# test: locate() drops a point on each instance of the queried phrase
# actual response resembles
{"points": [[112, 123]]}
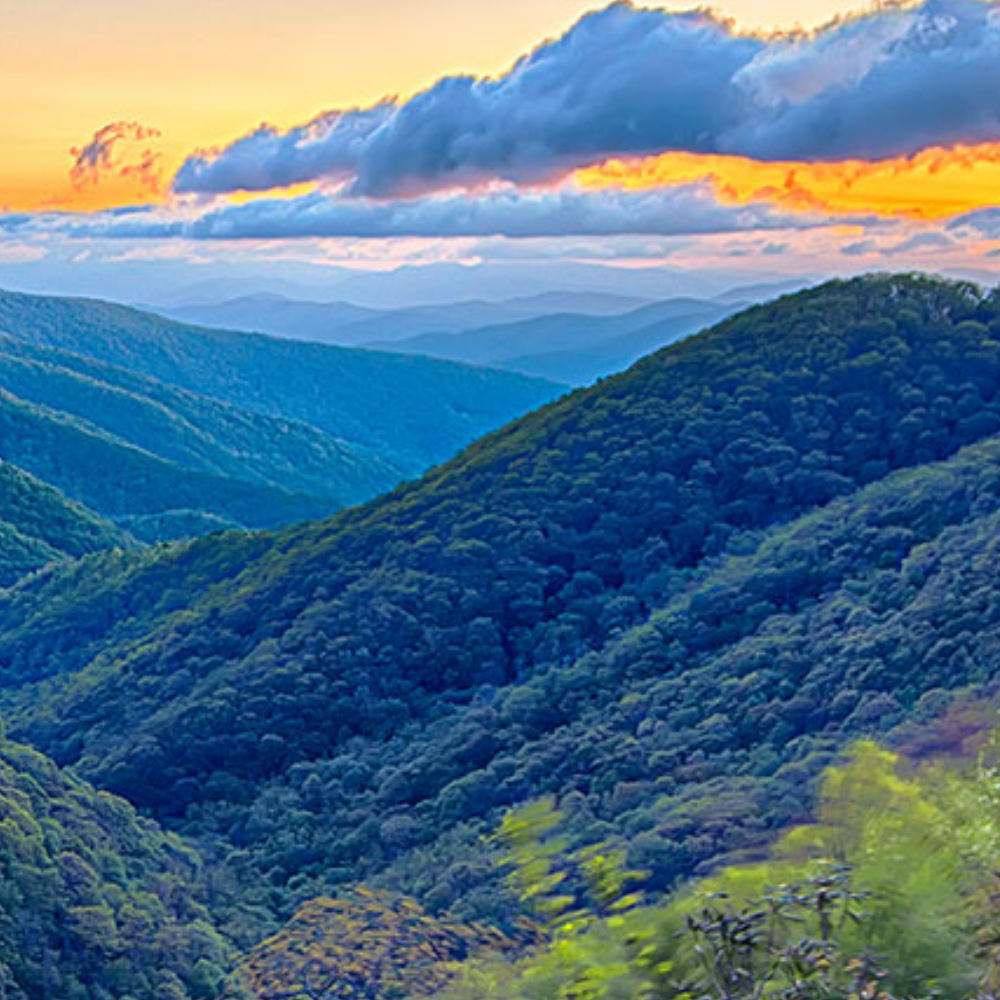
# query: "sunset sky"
{"points": [[182, 127]]}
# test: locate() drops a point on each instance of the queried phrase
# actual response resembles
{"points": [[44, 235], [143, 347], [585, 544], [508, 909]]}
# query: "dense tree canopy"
{"points": [[38, 525], [96, 903]]}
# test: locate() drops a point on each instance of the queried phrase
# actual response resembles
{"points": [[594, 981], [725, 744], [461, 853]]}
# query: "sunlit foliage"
{"points": [[890, 890], [368, 946]]}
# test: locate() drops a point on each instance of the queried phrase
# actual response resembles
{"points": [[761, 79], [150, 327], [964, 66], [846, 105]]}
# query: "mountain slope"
{"points": [[411, 412], [192, 431], [96, 902], [139, 491], [615, 353], [38, 525], [671, 597]]}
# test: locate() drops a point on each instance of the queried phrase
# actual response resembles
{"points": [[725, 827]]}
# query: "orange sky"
{"points": [[205, 71], [933, 184]]}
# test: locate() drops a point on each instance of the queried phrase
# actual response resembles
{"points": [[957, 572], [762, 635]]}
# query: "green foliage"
{"points": [[569, 889], [904, 852], [888, 891], [789, 943], [95, 902], [600, 943], [38, 526]]}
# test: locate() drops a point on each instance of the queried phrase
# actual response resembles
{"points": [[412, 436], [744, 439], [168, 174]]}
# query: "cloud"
{"points": [[103, 156], [860, 248], [629, 81], [20, 253], [933, 240], [984, 222], [327, 147], [904, 239], [508, 211]]}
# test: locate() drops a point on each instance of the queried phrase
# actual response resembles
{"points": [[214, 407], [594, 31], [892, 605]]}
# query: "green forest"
{"points": [[683, 685]]}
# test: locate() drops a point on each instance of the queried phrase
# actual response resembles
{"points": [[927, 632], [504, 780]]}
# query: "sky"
{"points": [[766, 137]]}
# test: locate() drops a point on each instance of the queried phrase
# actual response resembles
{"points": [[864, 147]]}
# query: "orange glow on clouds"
{"points": [[933, 184]]}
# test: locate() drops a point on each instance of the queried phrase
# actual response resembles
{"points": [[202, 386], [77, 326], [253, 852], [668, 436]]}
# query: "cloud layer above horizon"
{"points": [[688, 210], [874, 139], [629, 81]]}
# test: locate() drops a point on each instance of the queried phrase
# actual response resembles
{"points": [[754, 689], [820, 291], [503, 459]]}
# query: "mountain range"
{"points": [[670, 600], [570, 347], [170, 430], [671, 597], [569, 338], [350, 325]]}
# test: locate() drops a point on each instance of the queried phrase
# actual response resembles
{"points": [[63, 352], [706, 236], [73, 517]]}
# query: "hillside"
{"points": [[38, 525], [96, 902], [410, 412], [670, 599], [164, 463], [132, 487], [192, 431]]}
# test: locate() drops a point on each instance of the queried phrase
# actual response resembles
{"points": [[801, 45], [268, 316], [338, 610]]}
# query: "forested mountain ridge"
{"points": [[671, 597], [411, 412], [190, 430], [38, 525], [570, 346], [144, 494], [93, 402]]}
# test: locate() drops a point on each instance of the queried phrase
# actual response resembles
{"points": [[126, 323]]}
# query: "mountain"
{"points": [[38, 525], [173, 455], [608, 357], [276, 315], [669, 599], [570, 347], [589, 303], [742, 295], [180, 282], [96, 901], [499, 279], [140, 492], [409, 412], [349, 325]]}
